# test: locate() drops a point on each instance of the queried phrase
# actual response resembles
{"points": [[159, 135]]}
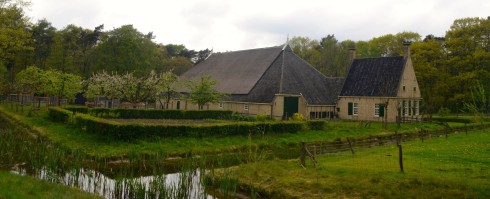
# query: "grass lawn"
{"points": [[457, 167], [14, 186], [93, 145]]}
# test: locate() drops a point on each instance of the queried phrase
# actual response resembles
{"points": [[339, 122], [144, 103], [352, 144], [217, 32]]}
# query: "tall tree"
{"points": [[43, 39], [468, 45], [430, 64], [14, 34]]}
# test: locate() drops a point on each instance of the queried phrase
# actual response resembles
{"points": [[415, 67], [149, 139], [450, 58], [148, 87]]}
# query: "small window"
{"points": [[405, 107], [376, 110], [221, 105], [403, 87], [414, 88], [245, 107], [356, 108]]}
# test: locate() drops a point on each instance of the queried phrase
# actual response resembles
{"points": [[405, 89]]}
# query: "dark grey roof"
{"points": [[374, 77], [286, 73], [236, 72]]}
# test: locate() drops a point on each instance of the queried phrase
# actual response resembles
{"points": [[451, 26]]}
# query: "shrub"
{"points": [[262, 118], [298, 117], [77, 109], [317, 125], [57, 114]]}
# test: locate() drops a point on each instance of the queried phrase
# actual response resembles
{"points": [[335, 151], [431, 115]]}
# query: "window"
{"points": [[245, 107], [403, 87], [405, 107], [221, 105], [416, 107], [376, 110], [414, 88], [356, 109]]}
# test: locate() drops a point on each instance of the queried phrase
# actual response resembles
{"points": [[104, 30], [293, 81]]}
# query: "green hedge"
{"points": [[316, 125], [57, 114], [153, 113], [124, 131], [77, 109], [458, 120]]}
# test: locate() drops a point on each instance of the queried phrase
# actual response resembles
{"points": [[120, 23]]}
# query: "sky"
{"points": [[229, 25]]}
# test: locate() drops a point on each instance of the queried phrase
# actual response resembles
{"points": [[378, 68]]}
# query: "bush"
{"points": [[128, 132], [316, 125], [57, 114], [77, 109], [262, 118], [298, 117], [458, 120]]}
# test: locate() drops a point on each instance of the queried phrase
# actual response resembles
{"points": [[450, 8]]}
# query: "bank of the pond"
{"points": [[16, 186], [281, 145], [456, 167]]}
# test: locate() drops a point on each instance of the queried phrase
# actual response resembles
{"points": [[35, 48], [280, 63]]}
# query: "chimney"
{"points": [[406, 48], [352, 54]]}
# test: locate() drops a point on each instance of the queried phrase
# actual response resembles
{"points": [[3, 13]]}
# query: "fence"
{"points": [[312, 149]]}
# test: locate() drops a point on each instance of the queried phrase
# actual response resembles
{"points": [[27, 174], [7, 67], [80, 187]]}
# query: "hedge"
{"points": [[458, 120], [127, 132], [57, 114], [153, 113], [77, 109], [316, 125]]}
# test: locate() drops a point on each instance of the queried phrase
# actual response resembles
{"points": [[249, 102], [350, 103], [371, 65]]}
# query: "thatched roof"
{"points": [[374, 77], [258, 75]]}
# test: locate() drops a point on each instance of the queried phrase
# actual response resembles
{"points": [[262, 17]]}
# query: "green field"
{"points": [[91, 144], [457, 167], [13, 186]]}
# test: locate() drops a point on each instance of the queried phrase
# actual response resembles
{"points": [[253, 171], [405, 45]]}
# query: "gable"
{"points": [[236, 72], [374, 77]]}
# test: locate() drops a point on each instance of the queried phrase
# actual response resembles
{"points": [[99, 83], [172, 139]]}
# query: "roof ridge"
{"points": [[264, 48]]}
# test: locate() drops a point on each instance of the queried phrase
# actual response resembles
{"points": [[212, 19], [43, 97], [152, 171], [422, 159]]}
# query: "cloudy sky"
{"points": [[227, 25]]}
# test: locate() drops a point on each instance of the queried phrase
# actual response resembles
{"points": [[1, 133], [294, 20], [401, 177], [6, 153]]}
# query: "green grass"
{"points": [[93, 145], [457, 167], [14, 186]]}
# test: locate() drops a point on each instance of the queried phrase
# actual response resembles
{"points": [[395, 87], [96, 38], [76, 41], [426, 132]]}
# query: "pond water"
{"points": [[22, 154]]}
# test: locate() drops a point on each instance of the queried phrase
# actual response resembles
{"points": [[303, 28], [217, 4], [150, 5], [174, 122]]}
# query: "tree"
{"points": [[14, 34], [202, 92], [31, 80], [43, 40], [169, 83], [63, 85], [430, 64], [468, 46]]}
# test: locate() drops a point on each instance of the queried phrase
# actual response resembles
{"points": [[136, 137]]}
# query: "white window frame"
{"points": [[355, 108], [221, 105], [416, 106], [245, 107], [405, 108], [376, 110]]}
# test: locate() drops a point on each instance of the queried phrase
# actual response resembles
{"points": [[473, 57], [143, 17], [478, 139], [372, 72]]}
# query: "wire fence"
{"points": [[452, 153]]}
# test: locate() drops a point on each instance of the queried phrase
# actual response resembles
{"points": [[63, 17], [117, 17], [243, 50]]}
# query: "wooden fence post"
{"points": [[303, 153], [350, 145], [400, 157]]}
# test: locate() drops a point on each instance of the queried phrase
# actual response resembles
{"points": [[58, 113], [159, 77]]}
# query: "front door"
{"points": [[290, 106]]}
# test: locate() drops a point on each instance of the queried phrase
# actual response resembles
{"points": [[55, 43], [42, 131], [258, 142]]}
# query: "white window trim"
{"points": [[245, 107], [221, 105], [355, 108], [405, 108], [376, 110]]}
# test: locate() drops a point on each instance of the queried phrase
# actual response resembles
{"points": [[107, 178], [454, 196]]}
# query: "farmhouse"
{"points": [[276, 82], [380, 88], [267, 81]]}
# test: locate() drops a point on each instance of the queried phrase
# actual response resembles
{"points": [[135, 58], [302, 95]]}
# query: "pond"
{"points": [[25, 154]]}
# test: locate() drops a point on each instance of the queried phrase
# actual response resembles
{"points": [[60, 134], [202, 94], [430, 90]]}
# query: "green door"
{"points": [[381, 110], [290, 106], [178, 105]]}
